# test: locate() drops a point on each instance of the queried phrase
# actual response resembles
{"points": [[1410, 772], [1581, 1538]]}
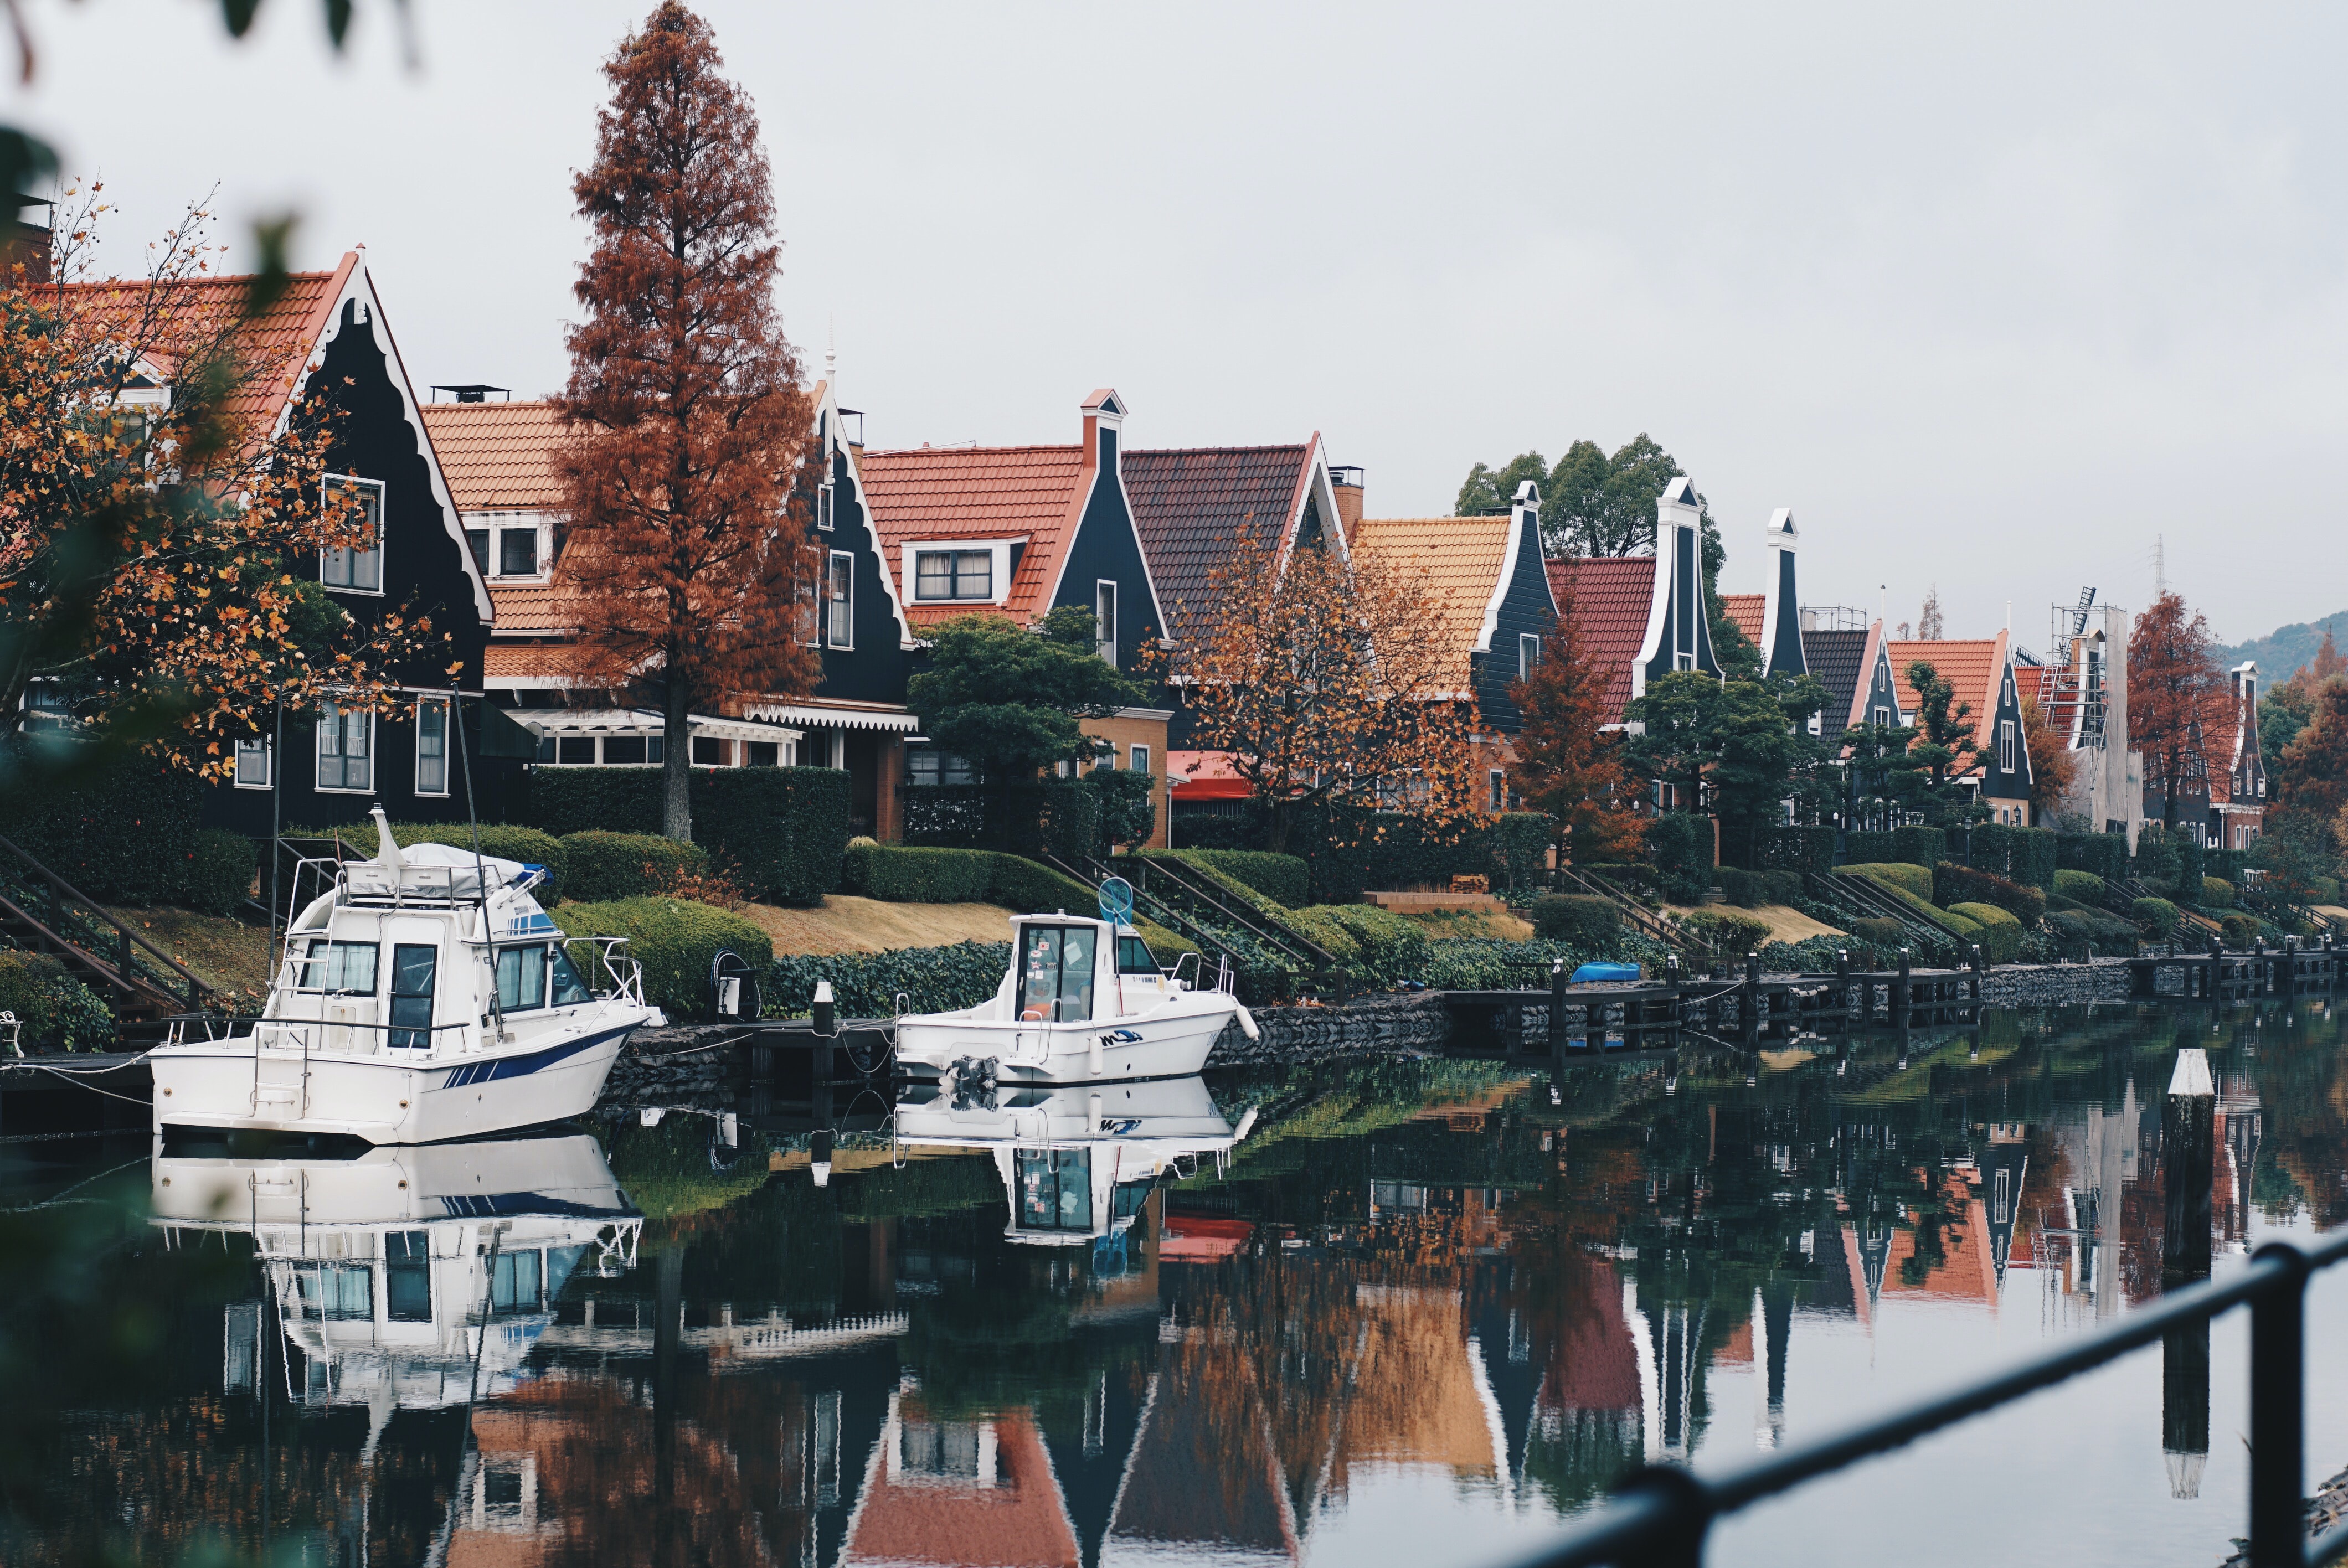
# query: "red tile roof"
{"points": [[1035, 493], [1608, 598], [1970, 665], [498, 457], [1747, 611]]}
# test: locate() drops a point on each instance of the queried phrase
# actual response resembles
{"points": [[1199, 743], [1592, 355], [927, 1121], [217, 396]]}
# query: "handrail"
{"points": [[1663, 1512], [1882, 906], [1302, 949], [1699, 952], [63, 892]]}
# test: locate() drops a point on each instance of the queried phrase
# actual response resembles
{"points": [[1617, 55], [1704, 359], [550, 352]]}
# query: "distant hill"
{"points": [[2280, 652]]}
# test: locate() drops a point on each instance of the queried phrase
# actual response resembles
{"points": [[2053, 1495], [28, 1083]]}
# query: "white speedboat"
{"points": [[1084, 1002], [425, 996], [1077, 1163], [405, 1278]]}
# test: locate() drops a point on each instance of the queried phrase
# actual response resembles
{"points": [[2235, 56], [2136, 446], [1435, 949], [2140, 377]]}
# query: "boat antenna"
{"points": [[480, 875]]}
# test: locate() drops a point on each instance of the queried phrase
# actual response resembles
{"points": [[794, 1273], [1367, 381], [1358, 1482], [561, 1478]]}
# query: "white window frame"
{"points": [[2005, 745], [1498, 778], [445, 736], [826, 518], [839, 593], [1683, 661], [1139, 757], [342, 717], [328, 483], [1105, 626], [910, 555], [267, 749], [1528, 653]]}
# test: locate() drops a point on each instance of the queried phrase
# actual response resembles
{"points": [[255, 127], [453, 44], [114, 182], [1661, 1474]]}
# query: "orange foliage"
{"points": [[2053, 763], [2177, 698], [1567, 764]]}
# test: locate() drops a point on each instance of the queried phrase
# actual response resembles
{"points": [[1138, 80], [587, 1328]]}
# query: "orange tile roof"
{"points": [[1036, 493], [534, 609], [1455, 561], [497, 455], [276, 344], [1608, 598], [1747, 610], [1970, 665], [535, 660]]}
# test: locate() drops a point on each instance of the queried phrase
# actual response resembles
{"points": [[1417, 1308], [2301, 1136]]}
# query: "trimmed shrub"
{"points": [[2190, 866], [1283, 879], [1682, 844], [2106, 935], [897, 873], [2104, 853], [220, 871], [2155, 917], [1049, 816], [1520, 842], [54, 1011], [123, 832], [1321, 932], [1925, 846], [2238, 930], [1906, 876], [2080, 887], [2217, 893], [674, 940], [1794, 849], [1578, 918], [599, 866], [1385, 937], [1889, 936], [2157, 862], [527, 844], [866, 985], [2001, 937], [2022, 855], [1736, 934], [1957, 885], [780, 831], [1314, 924]]}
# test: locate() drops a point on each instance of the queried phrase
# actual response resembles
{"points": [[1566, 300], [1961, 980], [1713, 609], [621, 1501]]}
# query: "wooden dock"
{"points": [[2215, 974]]}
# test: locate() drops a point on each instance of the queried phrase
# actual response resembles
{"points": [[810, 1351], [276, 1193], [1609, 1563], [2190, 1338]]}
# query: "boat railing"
{"points": [[624, 971], [289, 1033], [1198, 969]]}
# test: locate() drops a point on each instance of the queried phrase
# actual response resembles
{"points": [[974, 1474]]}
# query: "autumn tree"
{"points": [[1567, 764], [692, 569], [159, 556], [2312, 774], [1318, 676], [2177, 699], [1944, 747], [2329, 660], [1928, 619], [2053, 765]]}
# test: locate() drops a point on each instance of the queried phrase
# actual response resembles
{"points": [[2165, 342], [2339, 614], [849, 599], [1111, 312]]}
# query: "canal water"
{"points": [[1397, 1312]]}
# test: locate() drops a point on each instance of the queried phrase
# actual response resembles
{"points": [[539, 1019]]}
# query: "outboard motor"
{"points": [[971, 1083]]}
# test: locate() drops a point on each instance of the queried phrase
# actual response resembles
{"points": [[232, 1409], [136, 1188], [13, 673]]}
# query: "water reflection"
{"points": [[1402, 1310]]}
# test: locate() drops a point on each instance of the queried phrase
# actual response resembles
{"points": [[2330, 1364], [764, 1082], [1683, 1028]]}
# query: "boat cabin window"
{"points": [[346, 968], [412, 967], [1055, 1189], [563, 982], [336, 1292], [1055, 973], [521, 979], [513, 1282], [1133, 956], [408, 1276]]}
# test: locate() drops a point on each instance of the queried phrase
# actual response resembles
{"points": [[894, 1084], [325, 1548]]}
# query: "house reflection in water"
{"points": [[945, 1489]]}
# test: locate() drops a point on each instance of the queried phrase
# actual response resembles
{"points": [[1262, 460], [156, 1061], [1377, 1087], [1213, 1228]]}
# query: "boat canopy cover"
{"points": [[433, 868]]}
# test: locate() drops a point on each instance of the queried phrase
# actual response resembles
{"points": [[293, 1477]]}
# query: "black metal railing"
{"points": [[1661, 1514]]}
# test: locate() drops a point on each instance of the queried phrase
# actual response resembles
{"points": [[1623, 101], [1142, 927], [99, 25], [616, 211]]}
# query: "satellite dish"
{"points": [[1117, 901]]}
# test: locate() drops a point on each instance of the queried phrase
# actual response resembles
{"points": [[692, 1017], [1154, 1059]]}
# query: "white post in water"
{"points": [[2188, 1148]]}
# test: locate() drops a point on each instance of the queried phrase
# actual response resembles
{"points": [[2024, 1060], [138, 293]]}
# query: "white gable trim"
{"points": [[828, 421], [1520, 517]]}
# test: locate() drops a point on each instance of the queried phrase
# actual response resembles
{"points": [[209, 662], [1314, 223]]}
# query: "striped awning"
{"points": [[819, 717]]}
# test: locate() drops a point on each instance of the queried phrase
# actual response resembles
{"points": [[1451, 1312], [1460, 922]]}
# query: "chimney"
{"points": [[1345, 485]]}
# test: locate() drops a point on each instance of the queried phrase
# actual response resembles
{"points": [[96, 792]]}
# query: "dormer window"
{"points": [[359, 568], [953, 574], [515, 546], [518, 552]]}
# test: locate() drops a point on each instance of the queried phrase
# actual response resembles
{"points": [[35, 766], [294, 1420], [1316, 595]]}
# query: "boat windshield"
{"points": [[1055, 973], [1133, 956]]}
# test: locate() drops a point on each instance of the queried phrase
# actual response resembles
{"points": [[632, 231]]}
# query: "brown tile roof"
{"points": [[533, 661], [1455, 560], [277, 343], [1747, 610], [1838, 660], [926, 493], [1970, 665], [496, 456], [1190, 503], [1608, 598]]}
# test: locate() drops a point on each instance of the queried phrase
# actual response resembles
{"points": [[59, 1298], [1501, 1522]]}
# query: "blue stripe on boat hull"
{"points": [[474, 1073]]}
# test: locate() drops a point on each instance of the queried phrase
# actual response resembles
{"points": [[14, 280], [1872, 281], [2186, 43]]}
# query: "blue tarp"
{"points": [[1603, 973]]}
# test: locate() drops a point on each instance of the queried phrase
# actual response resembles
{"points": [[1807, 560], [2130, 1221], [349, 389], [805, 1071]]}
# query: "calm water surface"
{"points": [[1410, 1312]]}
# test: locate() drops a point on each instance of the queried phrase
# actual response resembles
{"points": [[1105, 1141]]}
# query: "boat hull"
{"points": [[383, 1099], [1167, 1045]]}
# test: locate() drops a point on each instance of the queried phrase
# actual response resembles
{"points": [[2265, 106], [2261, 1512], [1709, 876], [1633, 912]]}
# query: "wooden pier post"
{"points": [[1556, 982], [1974, 983], [1906, 993], [1748, 1019], [2187, 1149]]}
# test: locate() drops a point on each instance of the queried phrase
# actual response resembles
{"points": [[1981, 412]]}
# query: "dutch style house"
{"points": [[1981, 671]]}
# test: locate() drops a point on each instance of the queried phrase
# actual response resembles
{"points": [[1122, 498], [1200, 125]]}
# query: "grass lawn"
{"points": [[1786, 924], [1490, 925], [847, 923], [226, 955]]}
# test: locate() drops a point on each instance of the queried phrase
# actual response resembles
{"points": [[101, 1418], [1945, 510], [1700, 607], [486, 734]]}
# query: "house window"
{"points": [[953, 574], [478, 542], [518, 552], [45, 706], [1882, 718], [575, 751], [432, 747], [252, 759], [1105, 618], [1138, 758], [839, 602], [935, 765], [823, 513], [359, 569], [708, 752], [2005, 745], [764, 753], [632, 751], [1500, 782], [345, 749], [1527, 655], [1683, 661]]}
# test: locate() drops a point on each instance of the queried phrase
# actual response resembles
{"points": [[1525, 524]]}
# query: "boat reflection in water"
{"points": [[405, 1278]]}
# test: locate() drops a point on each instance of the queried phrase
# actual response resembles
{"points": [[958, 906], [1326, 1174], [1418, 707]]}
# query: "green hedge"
{"points": [[1682, 848], [1751, 889], [780, 831], [220, 871], [2238, 930], [1906, 876], [1727, 933], [1390, 942], [674, 940], [1576, 917], [2001, 933], [1029, 887], [2217, 893], [1051, 816], [1520, 843], [122, 831], [2104, 934], [1889, 936], [2022, 855], [599, 865], [897, 873], [2105, 854], [1794, 849], [1283, 879], [2080, 887], [1954, 885], [2155, 917], [865, 984], [1925, 846], [1315, 928], [54, 1011], [527, 844]]}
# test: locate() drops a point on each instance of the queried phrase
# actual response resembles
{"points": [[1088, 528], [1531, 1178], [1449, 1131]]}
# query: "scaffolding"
{"points": [[2078, 699]]}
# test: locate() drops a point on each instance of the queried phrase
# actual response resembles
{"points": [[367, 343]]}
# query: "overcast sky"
{"points": [[1992, 298]]}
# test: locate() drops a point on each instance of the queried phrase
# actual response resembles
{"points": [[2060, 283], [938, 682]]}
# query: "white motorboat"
{"points": [[1077, 1163], [405, 1278], [425, 996], [1084, 1002]]}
